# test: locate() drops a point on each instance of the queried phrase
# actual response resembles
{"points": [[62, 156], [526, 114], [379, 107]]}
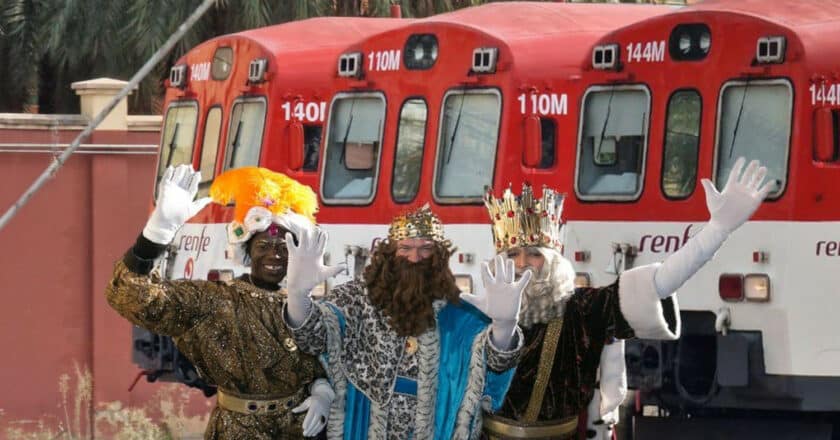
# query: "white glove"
{"points": [[729, 209], [295, 223], [740, 197], [305, 271], [318, 406], [175, 204], [612, 374], [501, 299], [598, 426]]}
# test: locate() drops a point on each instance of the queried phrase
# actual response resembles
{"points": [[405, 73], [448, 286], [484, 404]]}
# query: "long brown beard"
{"points": [[405, 291]]}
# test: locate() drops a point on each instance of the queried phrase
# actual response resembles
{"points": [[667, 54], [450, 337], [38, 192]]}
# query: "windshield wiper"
{"points": [[235, 144], [738, 119], [172, 144], [455, 129], [604, 127], [347, 132]]}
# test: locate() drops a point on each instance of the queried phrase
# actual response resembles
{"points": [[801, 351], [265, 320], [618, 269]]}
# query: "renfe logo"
{"points": [[828, 248], [664, 243], [197, 243]]}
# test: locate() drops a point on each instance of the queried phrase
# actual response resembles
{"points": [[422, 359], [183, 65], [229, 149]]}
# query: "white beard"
{"points": [[545, 297]]}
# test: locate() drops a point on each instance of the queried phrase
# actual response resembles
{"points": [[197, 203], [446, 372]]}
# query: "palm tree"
{"points": [[21, 40], [54, 43]]}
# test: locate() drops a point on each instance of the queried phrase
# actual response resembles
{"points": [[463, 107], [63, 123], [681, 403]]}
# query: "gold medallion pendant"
{"points": [[411, 345]]}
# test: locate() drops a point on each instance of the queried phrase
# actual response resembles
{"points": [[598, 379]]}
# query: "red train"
{"points": [[624, 107], [686, 94]]}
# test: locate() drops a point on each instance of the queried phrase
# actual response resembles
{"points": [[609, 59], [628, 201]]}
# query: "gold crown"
{"points": [[524, 220], [420, 223]]}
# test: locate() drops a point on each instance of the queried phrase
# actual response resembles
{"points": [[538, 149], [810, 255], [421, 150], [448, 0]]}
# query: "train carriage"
{"points": [[676, 98], [252, 98], [435, 111]]}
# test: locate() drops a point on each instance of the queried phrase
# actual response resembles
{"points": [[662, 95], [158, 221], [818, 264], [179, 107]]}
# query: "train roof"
{"points": [[794, 14], [513, 21], [318, 33], [325, 36], [814, 23], [541, 36]]}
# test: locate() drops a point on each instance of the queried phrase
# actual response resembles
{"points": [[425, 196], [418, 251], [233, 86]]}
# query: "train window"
{"points": [[354, 135], [613, 143], [549, 139], [682, 137], [311, 145], [247, 120], [178, 136], [469, 133], [409, 155], [209, 147], [754, 121]]}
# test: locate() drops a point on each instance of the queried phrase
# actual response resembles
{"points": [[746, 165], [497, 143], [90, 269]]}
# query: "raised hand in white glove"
{"points": [[729, 209], [317, 407], [175, 205], [306, 270], [501, 299], [741, 196]]}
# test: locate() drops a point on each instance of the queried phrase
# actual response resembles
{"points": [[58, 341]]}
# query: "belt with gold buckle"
{"points": [[255, 404]]}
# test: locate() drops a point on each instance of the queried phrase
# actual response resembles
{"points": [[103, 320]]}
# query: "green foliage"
{"points": [[56, 42]]}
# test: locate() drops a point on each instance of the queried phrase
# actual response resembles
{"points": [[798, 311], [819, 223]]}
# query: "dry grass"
{"points": [[163, 418]]}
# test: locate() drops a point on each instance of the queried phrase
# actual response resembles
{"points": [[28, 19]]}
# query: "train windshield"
{"points": [[467, 144], [244, 137], [209, 148], [682, 138], [409, 155], [178, 135], [755, 122], [352, 148], [612, 143]]}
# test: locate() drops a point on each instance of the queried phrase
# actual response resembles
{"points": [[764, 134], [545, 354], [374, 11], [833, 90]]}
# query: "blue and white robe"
{"points": [[385, 392]]}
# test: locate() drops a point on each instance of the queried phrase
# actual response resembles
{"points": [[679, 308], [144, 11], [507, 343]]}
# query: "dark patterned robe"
{"points": [[592, 317], [232, 332]]}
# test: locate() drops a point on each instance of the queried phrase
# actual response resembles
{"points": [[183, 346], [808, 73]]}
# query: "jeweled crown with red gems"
{"points": [[524, 220]]}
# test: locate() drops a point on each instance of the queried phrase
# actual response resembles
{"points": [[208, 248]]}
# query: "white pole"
{"points": [[150, 64]]}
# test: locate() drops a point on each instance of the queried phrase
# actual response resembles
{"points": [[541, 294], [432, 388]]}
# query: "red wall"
{"points": [[56, 257]]}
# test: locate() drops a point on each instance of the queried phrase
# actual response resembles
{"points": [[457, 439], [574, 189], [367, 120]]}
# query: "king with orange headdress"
{"points": [[231, 331]]}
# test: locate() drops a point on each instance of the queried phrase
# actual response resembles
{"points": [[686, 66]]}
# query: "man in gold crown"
{"points": [[232, 331], [571, 334], [407, 357]]}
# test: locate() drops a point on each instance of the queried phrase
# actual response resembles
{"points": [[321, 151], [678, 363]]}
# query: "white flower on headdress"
{"points": [[258, 219]]}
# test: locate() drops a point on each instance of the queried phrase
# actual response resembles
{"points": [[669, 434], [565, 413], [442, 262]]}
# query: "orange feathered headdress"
{"points": [[260, 195]]}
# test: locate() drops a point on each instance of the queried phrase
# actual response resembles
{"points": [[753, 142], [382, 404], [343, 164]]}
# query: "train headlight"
{"points": [[757, 287], [350, 65], [690, 42], [705, 42], [464, 283], [222, 62], [420, 52], [256, 70], [770, 50], [484, 59], [178, 76], [582, 280], [605, 57], [685, 43]]}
